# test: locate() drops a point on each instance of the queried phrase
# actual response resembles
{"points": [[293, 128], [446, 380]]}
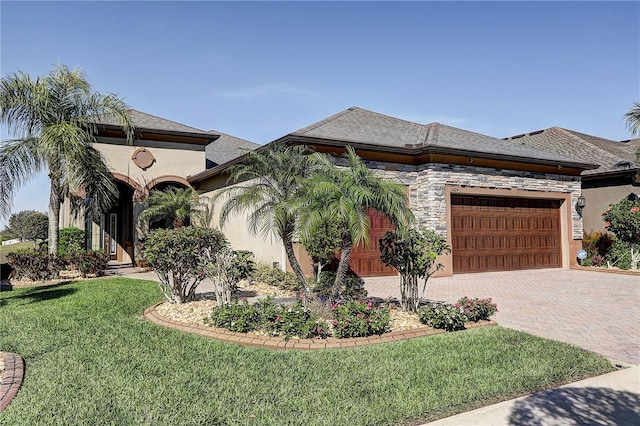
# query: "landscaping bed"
{"points": [[92, 359]]}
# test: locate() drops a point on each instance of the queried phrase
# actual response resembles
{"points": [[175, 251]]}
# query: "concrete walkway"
{"points": [[594, 310], [611, 399]]}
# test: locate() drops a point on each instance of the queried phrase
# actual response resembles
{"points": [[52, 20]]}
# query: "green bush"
{"points": [[353, 286], [93, 262], [359, 318], [276, 277], [477, 309], [290, 321], [442, 316], [619, 255], [276, 320], [71, 241], [241, 317], [180, 257], [623, 219], [243, 264]]}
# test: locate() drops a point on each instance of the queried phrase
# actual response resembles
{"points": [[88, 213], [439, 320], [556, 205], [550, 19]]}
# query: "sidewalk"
{"points": [[610, 399]]}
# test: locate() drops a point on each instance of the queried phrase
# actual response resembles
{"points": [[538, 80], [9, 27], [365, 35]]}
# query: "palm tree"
{"points": [[53, 120], [174, 206], [348, 194], [633, 119], [275, 177]]}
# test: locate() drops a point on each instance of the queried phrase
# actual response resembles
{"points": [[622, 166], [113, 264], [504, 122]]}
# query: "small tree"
{"points": [[220, 270], [37, 226], [226, 268], [173, 207], [322, 242], [413, 254], [29, 225], [623, 219], [180, 257]]}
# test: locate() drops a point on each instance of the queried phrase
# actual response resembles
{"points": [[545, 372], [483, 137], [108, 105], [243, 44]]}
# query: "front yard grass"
{"points": [[92, 359]]}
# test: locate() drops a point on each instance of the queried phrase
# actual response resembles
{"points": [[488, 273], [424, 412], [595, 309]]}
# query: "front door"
{"points": [[111, 236]]}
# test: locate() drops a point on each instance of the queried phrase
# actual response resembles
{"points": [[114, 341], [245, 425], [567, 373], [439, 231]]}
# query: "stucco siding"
{"points": [[267, 249], [598, 199], [169, 161]]}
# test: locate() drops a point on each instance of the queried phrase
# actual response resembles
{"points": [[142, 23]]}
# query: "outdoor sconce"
{"points": [[580, 204]]}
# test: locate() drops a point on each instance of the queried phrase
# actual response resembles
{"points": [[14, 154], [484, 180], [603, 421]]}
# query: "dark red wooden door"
{"points": [[365, 261], [502, 234]]}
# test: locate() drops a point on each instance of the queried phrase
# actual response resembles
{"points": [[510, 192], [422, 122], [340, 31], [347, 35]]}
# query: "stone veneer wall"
{"points": [[427, 185]]}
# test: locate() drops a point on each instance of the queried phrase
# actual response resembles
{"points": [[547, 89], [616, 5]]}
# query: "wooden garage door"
{"points": [[365, 261], [502, 234]]}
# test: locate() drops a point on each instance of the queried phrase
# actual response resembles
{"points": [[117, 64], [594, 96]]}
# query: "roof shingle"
{"points": [[357, 125], [610, 155]]}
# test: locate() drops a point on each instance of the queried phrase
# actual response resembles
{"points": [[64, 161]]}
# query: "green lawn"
{"points": [[92, 359]]}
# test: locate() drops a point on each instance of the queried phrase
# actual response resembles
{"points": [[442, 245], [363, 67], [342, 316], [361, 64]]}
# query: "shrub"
{"points": [[241, 317], [353, 285], [477, 309], [277, 320], [619, 255], [597, 244], [623, 219], [71, 241], [36, 264], [359, 318], [243, 265], [413, 254], [276, 277], [180, 257], [93, 262], [290, 321], [442, 316]]}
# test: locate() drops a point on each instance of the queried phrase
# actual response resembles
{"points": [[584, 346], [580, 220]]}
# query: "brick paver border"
{"points": [[606, 270], [255, 340], [11, 378]]}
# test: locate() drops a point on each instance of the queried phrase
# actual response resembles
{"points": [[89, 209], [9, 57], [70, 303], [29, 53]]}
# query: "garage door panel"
{"points": [[496, 233], [365, 260]]}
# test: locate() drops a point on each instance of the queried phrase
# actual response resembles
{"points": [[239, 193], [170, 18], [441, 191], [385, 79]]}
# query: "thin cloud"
{"points": [[266, 90]]}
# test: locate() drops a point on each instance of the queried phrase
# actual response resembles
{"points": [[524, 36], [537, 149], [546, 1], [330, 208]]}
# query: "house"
{"points": [[501, 205], [163, 154], [617, 177]]}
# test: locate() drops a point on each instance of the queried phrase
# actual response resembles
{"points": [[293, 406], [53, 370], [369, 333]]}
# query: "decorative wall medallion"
{"points": [[143, 158]]}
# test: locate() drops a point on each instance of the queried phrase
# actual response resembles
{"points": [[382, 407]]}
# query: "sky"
{"points": [[260, 70]]}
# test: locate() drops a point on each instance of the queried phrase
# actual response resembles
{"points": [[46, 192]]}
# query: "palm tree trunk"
{"points": [[54, 214], [343, 266], [295, 265]]}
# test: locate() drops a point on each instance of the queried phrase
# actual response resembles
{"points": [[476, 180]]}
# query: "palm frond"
{"points": [[633, 119]]}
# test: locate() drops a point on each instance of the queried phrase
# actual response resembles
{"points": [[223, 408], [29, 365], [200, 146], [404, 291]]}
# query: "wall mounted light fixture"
{"points": [[580, 204]]}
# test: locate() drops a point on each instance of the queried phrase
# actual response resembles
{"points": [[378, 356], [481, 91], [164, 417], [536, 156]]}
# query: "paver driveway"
{"points": [[594, 310]]}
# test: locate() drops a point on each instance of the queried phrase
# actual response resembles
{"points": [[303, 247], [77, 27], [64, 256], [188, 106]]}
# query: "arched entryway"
{"points": [[118, 224], [161, 184]]}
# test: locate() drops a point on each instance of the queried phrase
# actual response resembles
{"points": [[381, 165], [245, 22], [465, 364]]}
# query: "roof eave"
{"points": [[210, 137], [434, 149], [612, 174]]}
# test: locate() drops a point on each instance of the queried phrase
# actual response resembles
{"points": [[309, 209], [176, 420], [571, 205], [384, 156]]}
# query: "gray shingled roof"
{"points": [[357, 125], [146, 121], [226, 148], [611, 156]]}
